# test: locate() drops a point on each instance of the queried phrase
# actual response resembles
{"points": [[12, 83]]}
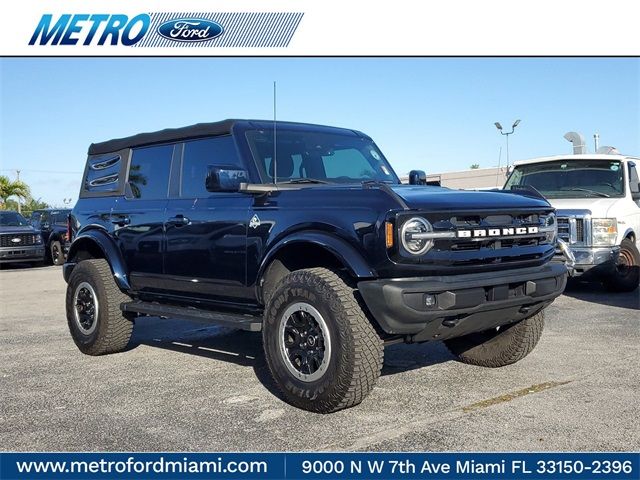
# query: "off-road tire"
{"points": [[356, 349], [497, 348], [626, 276], [113, 329], [56, 246]]}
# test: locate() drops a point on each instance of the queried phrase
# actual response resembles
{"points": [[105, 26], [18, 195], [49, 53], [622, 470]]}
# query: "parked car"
{"points": [[311, 239], [19, 241], [597, 198], [52, 224]]}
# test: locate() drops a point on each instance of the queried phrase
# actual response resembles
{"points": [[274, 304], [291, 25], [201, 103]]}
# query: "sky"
{"points": [[434, 114]]}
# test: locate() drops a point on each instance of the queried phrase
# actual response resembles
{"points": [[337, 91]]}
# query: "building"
{"points": [[472, 179]]}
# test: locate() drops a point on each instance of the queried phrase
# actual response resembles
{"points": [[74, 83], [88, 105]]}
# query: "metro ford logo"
{"points": [[498, 232], [190, 30]]}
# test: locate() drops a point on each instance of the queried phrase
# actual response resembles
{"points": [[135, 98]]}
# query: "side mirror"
{"points": [[417, 177], [224, 178]]}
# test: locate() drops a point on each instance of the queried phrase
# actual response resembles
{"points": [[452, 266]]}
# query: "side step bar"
{"points": [[242, 322]]}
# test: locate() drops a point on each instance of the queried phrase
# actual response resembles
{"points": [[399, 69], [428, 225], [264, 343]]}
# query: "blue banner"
{"points": [[232, 466]]}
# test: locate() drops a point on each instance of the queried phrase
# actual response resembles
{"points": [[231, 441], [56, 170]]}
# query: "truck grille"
{"points": [[496, 252], [9, 240], [564, 232], [570, 233]]}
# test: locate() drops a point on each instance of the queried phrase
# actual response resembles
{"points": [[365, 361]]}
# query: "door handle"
{"points": [[122, 220], [178, 221]]}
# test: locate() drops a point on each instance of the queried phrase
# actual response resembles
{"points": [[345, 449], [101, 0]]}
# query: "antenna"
{"points": [[275, 162]]}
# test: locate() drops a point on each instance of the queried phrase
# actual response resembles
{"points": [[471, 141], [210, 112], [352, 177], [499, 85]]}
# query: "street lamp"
{"points": [[513, 127]]}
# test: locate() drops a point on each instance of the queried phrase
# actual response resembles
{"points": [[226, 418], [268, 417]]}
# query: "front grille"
{"points": [[571, 230], [564, 230], [9, 240], [580, 230], [497, 251]]}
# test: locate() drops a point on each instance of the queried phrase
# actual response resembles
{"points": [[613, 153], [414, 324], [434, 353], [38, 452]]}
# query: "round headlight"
{"points": [[411, 236]]}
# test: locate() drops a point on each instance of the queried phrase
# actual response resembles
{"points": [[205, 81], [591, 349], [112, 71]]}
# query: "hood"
{"points": [[25, 229], [599, 207], [439, 199]]}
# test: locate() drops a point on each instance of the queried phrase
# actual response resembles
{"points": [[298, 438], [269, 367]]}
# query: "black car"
{"points": [[304, 233], [52, 224], [19, 241]]}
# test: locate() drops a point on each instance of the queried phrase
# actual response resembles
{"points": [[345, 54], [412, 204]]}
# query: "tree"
{"points": [[31, 204], [475, 166], [16, 188]]}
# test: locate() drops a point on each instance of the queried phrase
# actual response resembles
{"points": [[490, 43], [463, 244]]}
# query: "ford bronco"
{"points": [[305, 233]]}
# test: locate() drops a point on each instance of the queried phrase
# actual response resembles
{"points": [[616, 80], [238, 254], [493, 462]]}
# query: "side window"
{"points": [[198, 155], [45, 218], [634, 181], [61, 218], [149, 172]]}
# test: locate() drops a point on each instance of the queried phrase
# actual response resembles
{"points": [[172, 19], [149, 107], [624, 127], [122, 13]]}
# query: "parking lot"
{"points": [[184, 386]]}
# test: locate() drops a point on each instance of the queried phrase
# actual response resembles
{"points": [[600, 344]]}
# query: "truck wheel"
{"points": [[95, 320], [57, 255], [626, 276], [499, 347], [322, 351]]}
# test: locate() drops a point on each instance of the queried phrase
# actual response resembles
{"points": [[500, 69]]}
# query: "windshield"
{"points": [[326, 157], [571, 178], [12, 219]]}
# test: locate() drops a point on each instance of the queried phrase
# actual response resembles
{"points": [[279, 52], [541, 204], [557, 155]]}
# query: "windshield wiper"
{"points": [[305, 180], [595, 192]]}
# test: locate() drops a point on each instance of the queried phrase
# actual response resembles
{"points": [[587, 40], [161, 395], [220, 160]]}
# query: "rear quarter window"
{"points": [[103, 173]]}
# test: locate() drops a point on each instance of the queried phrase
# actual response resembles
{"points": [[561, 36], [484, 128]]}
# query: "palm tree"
{"points": [[10, 188]]}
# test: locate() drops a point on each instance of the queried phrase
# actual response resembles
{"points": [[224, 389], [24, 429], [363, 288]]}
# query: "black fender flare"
{"points": [[99, 238], [346, 253]]}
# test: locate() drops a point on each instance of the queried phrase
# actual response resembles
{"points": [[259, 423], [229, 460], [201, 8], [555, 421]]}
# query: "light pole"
{"points": [[18, 198], [513, 127]]}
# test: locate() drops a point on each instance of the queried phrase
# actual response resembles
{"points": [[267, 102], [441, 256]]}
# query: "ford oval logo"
{"points": [[190, 30], [16, 240]]}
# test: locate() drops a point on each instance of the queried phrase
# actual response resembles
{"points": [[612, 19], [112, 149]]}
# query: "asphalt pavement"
{"points": [[184, 386]]}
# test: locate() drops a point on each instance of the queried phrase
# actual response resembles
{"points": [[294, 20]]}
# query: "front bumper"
{"points": [[30, 253], [463, 303], [595, 260]]}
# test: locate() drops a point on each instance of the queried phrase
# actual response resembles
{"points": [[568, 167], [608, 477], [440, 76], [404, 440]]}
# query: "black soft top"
{"points": [[200, 130], [162, 136]]}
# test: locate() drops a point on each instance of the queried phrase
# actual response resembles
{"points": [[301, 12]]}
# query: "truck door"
{"points": [[138, 217], [206, 233]]}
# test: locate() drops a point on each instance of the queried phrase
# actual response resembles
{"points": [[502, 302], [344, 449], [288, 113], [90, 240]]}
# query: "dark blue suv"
{"points": [[305, 233]]}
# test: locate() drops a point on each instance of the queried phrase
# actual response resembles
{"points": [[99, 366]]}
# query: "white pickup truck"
{"points": [[597, 198]]}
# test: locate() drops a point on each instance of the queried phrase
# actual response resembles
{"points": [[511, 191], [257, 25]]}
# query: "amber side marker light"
{"points": [[388, 226]]}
